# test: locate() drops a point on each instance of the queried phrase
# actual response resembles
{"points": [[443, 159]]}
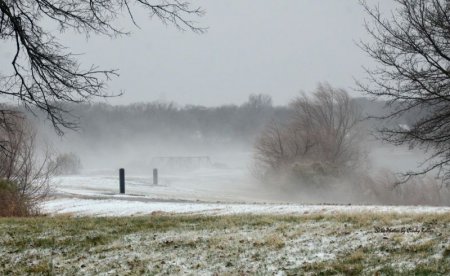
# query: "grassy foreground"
{"points": [[243, 244]]}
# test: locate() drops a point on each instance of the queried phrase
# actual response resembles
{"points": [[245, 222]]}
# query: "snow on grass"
{"points": [[138, 206], [238, 244], [193, 192]]}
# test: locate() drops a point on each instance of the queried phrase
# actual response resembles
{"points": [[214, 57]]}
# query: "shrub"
{"points": [[68, 163], [11, 202], [24, 174], [315, 174], [388, 188]]}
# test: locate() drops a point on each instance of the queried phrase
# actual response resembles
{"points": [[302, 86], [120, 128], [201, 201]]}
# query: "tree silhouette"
{"points": [[44, 73], [412, 49]]}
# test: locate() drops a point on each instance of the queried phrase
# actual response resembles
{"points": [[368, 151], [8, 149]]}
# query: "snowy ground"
{"points": [[127, 207], [161, 244], [203, 191], [226, 187], [204, 184]]}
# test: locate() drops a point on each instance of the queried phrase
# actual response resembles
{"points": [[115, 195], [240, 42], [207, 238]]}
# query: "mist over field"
{"points": [[208, 153]]}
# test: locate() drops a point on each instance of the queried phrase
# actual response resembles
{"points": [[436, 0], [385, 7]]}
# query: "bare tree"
{"points": [[259, 101], [44, 72], [321, 130], [412, 49], [328, 121], [273, 150]]}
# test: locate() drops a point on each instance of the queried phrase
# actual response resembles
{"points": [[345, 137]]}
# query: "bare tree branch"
{"points": [[44, 72], [412, 48]]}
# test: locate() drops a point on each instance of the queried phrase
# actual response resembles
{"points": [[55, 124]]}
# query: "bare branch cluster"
{"points": [[44, 72], [412, 48]]}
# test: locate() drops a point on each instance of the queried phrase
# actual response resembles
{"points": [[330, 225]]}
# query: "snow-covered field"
{"points": [[209, 191], [204, 184]]}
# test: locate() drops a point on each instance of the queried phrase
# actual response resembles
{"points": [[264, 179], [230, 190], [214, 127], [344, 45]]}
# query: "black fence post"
{"points": [[155, 176], [122, 180]]}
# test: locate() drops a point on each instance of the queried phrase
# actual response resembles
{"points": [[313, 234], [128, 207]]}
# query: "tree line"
{"points": [[232, 124]]}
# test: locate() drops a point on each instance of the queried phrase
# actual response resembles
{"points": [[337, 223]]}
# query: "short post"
{"points": [[122, 180], [155, 176]]}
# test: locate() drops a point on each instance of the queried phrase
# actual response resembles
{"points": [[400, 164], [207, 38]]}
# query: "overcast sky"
{"points": [[252, 46]]}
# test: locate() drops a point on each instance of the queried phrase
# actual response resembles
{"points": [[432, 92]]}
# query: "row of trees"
{"points": [[167, 121]]}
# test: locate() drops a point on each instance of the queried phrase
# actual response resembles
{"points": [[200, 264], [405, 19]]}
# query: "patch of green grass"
{"points": [[427, 269], [352, 264], [43, 267]]}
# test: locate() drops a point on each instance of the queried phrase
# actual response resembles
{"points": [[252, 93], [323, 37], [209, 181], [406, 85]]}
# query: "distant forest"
{"points": [[144, 130], [192, 124]]}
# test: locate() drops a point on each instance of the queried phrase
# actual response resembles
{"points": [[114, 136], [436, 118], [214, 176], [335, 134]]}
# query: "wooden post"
{"points": [[155, 176], [122, 180]]}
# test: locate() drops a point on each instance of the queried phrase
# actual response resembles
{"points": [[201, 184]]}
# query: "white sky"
{"points": [[252, 46]]}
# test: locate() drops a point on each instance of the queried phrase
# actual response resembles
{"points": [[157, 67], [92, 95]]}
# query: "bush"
{"points": [[388, 188], [11, 202], [24, 174], [315, 174], [67, 164]]}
